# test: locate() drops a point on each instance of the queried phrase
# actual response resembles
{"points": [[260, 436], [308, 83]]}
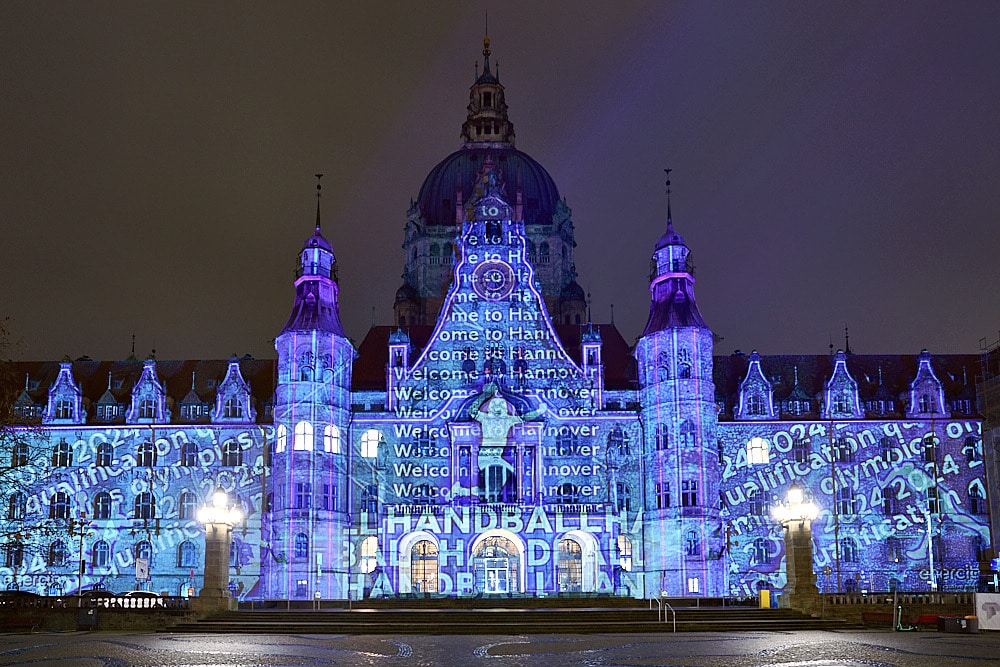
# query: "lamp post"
{"points": [[926, 513], [219, 519], [796, 515]]}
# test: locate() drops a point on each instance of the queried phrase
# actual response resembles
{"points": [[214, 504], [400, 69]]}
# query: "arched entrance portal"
{"points": [[570, 563], [496, 566]]}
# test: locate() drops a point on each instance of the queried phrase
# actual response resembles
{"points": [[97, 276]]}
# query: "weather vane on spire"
{"points": [[318, 195], [669, 217]]}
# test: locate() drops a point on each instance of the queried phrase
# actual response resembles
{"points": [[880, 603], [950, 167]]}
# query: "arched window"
{"points": [[56, 556], [281, 442], [143, 550], [301, 545], [369, 554], [105, 454], [188, 505], [688, 433], [145, 506], [370, 441], [662, 438], [233, 408], [570, 563], [303, 441], [758, 451], [145, 455], [17, 506], [977, 497], [331, 439], [424, 567], [684, 371], [692, 545], [100, 554], [619, 439], [232, 454], [62, 455], [187, 554], [102, 505], [19, 456], [147, 409], [59, 506]]}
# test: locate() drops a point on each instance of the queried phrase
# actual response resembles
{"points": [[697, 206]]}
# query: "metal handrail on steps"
{"points": [[661, 617]]}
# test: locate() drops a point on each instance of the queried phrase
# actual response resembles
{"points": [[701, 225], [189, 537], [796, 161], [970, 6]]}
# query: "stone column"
{"points": [[800, 591], [214, 597]]}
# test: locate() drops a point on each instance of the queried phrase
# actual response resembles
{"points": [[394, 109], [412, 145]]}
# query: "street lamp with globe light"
{"points": [[796, 515], [219, 518]]}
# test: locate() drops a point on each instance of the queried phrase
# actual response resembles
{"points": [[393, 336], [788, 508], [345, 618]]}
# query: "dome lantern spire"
{"points": [[487, 122]]}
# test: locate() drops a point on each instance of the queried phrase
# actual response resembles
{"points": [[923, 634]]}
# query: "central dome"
{"points": [[539, 194]]}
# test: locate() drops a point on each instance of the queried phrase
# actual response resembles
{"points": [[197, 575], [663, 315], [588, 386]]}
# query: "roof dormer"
{"points": [[232, 399], [926, 391], [149, 399], [840, 393], [756, 400], [65, 404]]}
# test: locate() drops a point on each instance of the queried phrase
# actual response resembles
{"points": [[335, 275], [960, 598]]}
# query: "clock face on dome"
{"points": [[493, 280]]}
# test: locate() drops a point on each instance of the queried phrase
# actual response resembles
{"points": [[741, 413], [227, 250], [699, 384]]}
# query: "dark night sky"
{"points": [[834, 163]]}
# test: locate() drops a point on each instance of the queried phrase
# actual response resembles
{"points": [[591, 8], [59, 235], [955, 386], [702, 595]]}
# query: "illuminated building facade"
{"points": [[493, 440]]}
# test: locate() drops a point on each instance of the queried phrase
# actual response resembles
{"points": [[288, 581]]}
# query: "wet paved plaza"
{"points": [[752, 649]]}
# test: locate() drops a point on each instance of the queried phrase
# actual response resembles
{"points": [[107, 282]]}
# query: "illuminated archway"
{"points": [[576, 558], [418, 563], [498, 563]]}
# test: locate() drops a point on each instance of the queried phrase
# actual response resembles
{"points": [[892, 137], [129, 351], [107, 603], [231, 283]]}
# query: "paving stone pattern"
{"points": [[758, 649]]}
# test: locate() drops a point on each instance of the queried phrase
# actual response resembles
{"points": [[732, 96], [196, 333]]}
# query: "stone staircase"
{"points": [[504, 617]]}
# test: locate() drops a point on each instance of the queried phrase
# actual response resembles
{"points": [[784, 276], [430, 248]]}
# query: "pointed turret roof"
{"points": [[672, 283]]}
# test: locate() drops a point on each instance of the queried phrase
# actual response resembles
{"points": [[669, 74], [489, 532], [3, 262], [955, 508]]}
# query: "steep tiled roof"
{"points": [[175, 375]]}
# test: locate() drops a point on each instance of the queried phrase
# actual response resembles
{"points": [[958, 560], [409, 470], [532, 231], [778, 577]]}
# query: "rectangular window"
{"points": [[329, 497], [932, 500], [689, 493], [303, 493], [694, 585], [662, 495], [800, 450]]}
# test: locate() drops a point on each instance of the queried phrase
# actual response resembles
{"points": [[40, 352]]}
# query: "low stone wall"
{"points": [[111, 613], [877, 609]]}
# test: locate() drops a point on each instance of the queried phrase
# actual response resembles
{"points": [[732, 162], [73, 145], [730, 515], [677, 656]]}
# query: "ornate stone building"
{"points": [[493, 440]]}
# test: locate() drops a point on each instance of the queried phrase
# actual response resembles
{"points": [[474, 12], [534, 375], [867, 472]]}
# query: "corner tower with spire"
{"points": [[308, 487], [679, 419]]}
